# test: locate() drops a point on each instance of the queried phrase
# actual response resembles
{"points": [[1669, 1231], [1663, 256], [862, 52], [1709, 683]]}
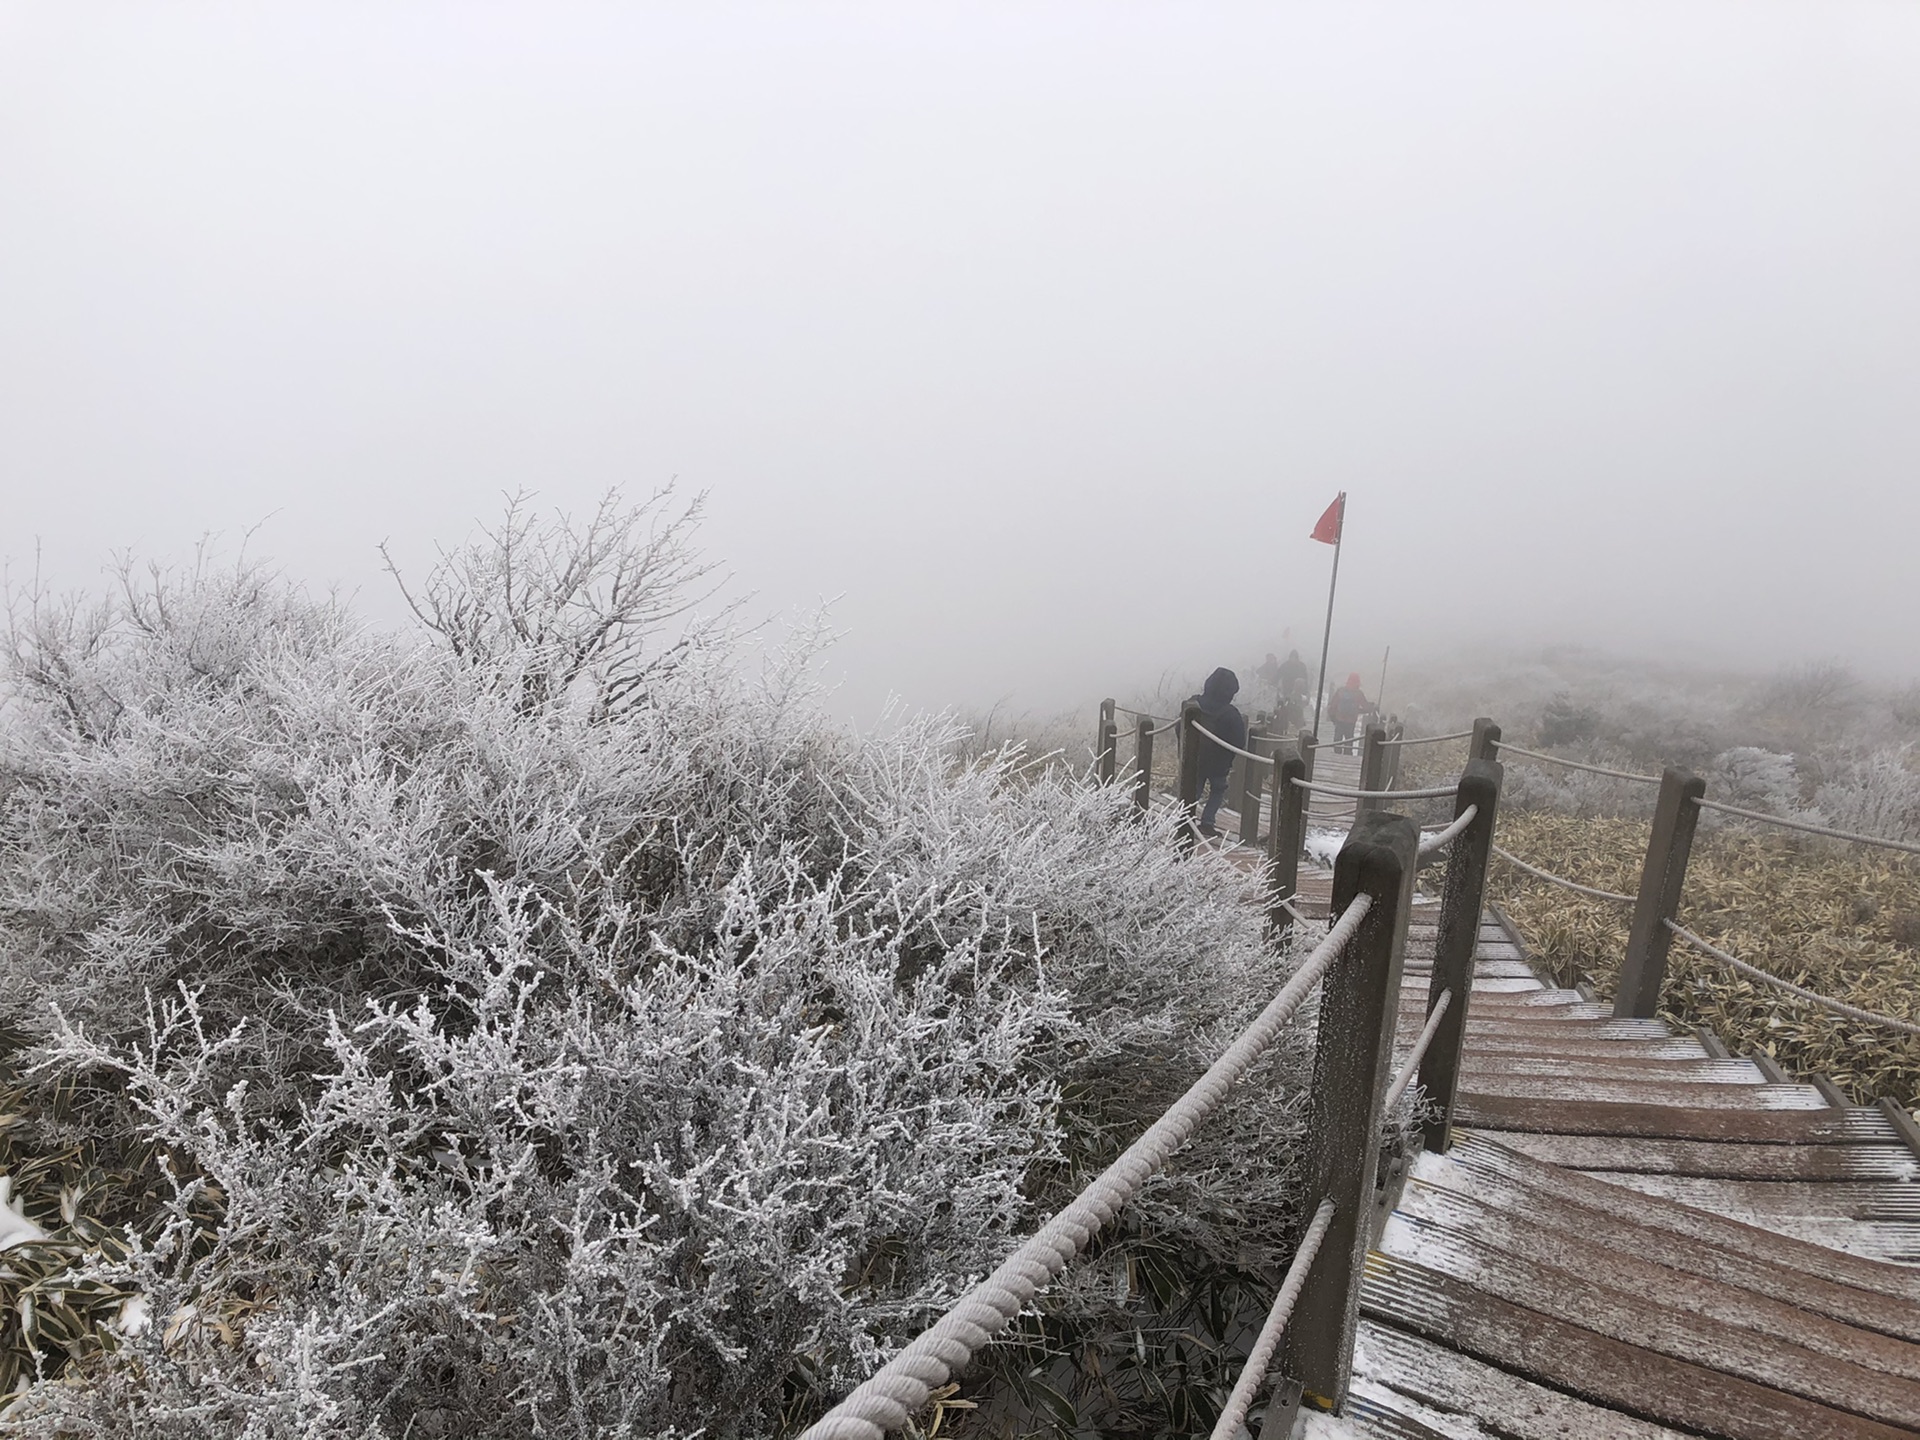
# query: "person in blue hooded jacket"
{"points": [[1219, 715]]}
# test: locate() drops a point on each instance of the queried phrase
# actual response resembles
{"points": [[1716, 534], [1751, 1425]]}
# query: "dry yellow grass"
{"points": [[1837, 919]]}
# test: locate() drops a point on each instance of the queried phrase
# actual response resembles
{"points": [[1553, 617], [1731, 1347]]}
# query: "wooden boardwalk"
{"points": [[1634, 1237], [1633, 1234]]}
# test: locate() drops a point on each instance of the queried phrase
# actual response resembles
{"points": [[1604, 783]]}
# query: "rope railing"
{"points": [[1827, 1002], [1412, 1067], [902, 1387], [1808, 827], [1254, 1373], [1163, 727], [1143, 714], [1507, 747], [1262, 759], [1320, 787], [1561, 880], [1405, 740], [1431, 843]]}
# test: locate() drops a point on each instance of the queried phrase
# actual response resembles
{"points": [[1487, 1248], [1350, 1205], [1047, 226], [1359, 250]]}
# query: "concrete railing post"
{"points": [[1486, 740], [1359, 1008], [1189, 775], [1142, 763], [1105, 744], [1644, 969], [1462, 899], [1373, 768], [1284, 840]]}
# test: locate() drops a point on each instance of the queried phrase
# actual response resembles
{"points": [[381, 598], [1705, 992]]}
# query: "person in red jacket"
{"points": [[1348, 705]]}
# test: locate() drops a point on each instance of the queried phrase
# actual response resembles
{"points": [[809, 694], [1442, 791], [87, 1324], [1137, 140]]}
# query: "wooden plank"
{"points": [[1645, 1091], [1499, 1159], [1516, 1023], [1609, 1371], [1772, 1198], [1610, 1067], [1673, 1121], [1741, 1288], [1643, 1156], [1496, 1041], [1398, 1367], [1797, 1210]]}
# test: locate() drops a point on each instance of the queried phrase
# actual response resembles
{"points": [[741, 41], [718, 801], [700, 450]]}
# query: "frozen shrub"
{"points": [[554, 1025], [1755, 779], [1562, 722], [1876, 794]]}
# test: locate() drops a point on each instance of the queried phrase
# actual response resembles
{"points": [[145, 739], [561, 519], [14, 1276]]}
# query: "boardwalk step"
{"points": [[1672, 1116], [1758, 1282], [1656, 1155], [1500, 1162], [1622, 1354], [1413, 1381]]}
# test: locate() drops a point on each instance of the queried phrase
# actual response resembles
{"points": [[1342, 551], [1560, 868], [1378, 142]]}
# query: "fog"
{"points": [[1034, 336]]}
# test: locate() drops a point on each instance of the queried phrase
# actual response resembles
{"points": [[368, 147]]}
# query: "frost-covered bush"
{"points": [[1876, 794], [1755, 779], [551, 1024]]}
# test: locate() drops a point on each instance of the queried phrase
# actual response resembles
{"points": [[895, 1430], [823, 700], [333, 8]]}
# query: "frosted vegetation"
{"points": [[546, 1022], [1811, 741]]}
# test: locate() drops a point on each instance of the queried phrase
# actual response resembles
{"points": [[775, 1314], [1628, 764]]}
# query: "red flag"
{"points": [[1327, 532]]}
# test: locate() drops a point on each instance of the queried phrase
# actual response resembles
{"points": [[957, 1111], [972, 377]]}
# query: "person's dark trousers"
{"points": [[1343, 738], [1214, 787]]}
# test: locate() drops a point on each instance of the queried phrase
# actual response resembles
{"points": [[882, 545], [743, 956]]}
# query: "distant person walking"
{"points": [[1293, 678], [1219, 714], [1349, 703], [1269, 677]]}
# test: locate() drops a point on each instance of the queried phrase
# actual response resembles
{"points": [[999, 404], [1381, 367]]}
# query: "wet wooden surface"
{"points": [[1633, 1238]]}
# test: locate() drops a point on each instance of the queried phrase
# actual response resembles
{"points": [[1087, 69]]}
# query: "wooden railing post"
{"points": [[1486, 740], [1189, 774], [1307, 746], [1359, 1007], [1462, 899], [1143, 763], [1105, 744], [1248, 776], [1644, 969], [1373, 766], [1284, 840]]}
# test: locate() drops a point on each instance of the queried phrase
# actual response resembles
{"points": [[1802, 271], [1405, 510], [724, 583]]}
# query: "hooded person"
{"points": [[1219, 715], [1348, 705]]}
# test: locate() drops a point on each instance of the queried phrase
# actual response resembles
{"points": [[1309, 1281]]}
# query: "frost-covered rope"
{"points": [[1561, 881], [1839, 1007], [1254, 1372], [1262, 759], [1320, 787], [903, 1385], [1294, 910], [1430, 843], [1431, 739], [1162, 729], [1412, 1067], [1506, 746], [1143, 714], [1808, 826]]}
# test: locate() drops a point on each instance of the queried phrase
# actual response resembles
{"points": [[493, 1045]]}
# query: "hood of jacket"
{"points": [[1217, 694]]}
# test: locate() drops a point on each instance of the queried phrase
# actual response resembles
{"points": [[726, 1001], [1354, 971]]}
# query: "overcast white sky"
{"points": [[1039, 333]]}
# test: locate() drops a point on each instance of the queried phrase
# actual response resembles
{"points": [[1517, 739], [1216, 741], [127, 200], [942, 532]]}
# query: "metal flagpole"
{"points": [[1326, 639], [1380, 695]]}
